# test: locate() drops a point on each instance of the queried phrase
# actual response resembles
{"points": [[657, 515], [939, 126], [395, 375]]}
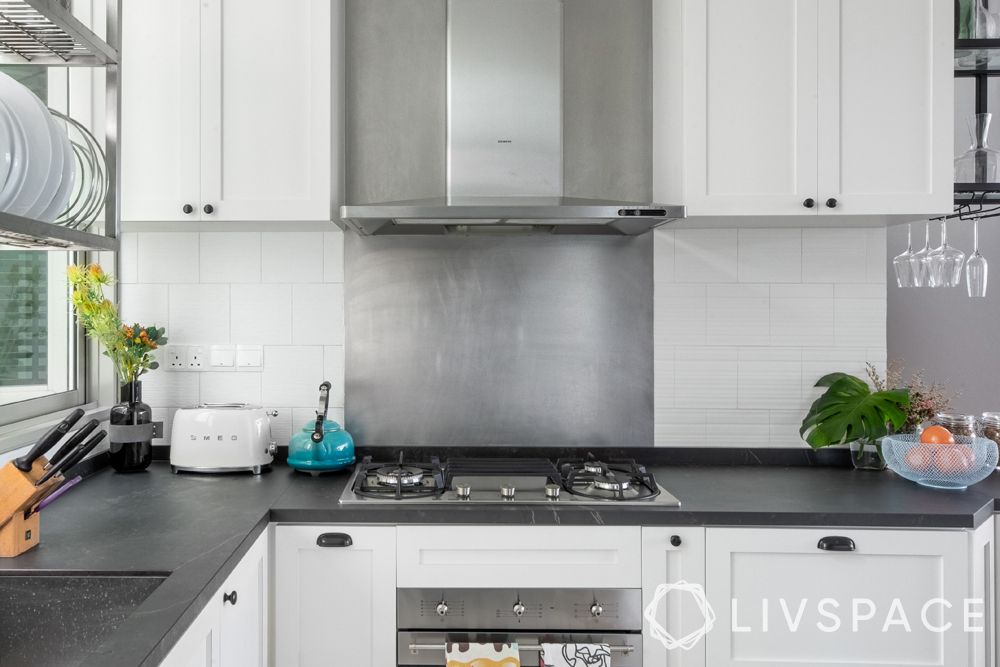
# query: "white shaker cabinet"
{"points": [[230, 111], [781, 598], [671, 556], [335, 596], [792, 108], [233, 629]]}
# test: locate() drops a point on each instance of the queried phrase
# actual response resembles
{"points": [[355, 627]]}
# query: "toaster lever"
{"points": [[321, 410]]}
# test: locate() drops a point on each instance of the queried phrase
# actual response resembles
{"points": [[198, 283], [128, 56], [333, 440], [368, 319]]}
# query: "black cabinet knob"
{"points": [[230, 598], [188, 209], [675, 540], [831, 203], [809, 203], [209, 209]]}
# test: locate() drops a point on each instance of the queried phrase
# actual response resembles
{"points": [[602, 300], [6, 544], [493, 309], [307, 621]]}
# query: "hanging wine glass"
{"points": [[901, 263], [944, 263], [976, 268], [918, 260]]}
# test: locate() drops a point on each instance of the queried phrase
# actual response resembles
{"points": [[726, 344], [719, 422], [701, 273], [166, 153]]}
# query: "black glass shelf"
{"points": [[977, 57]]}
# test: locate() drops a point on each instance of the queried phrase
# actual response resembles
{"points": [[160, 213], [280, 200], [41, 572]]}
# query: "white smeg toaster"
{"points": [[221, 437]]}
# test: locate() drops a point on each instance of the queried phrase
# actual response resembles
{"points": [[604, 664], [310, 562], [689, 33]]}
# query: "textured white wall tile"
{"points": [[680, 428], [129, 266], [738, 315], [230, 257], [860, 291], [167, 257], [292, 375], [705, 376], [333, 370], [318, 314], [835, 255], [664, 373], [292, 258], [878, 267], [770, 255], [818, 362], [860, 322], [199, 314], [167, 389], [706, 256], [803, 291], [333, 257], [769, 378], [663, 255], [802, 322], [145, 304], [738, 428], [784, 428], [261, 314], [225, 387], [680, 313], [166, 415]]}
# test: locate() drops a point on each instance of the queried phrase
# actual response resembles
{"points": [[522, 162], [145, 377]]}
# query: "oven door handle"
{"points": [[334, 540], [416, 648]]}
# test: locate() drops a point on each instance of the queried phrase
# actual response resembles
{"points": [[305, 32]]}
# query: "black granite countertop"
{"points": [[193, 529]]}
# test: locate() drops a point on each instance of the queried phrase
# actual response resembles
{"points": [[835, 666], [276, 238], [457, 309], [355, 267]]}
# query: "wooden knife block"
{"points": [[19, 531]]}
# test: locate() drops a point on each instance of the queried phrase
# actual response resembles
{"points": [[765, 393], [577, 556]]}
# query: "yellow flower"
{"points": [[73, 272], [96, 272]]}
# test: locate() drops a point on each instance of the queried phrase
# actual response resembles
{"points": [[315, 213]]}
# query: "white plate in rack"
{"points": [[6, 150], [67, 175], [15, 176], [31, 114]]}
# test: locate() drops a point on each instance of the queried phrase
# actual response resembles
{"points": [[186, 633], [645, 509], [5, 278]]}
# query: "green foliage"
{"points": [[849, 411]]}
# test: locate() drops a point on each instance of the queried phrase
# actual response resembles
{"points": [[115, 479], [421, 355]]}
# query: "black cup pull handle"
{"points": [[836, 543], [334, 540], [229, 597]]}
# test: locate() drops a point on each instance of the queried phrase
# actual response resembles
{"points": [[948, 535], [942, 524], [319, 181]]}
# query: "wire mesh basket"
{"points": [[947, 466]]}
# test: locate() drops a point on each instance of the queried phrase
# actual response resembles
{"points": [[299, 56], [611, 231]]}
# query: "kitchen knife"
{"points": [[46, 442], [72, 442], [72, 459], [63, 488]]}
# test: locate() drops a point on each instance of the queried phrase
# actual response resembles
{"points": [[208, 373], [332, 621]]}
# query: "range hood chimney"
{"points": [[505, 137]]}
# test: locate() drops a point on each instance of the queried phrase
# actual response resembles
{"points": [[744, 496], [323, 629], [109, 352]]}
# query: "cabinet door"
{"points": [[669, 556], [886, 106], [244, 626], [160, 107], [335, 605], [782, 600], [750, 106], [519, 556], [266, 87], [199, 645]]}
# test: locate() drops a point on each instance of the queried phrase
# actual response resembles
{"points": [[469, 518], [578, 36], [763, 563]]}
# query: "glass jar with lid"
{"points": [[990, 426], [956, 423]]}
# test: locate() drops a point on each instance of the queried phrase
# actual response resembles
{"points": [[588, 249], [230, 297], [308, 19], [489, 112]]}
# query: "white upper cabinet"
{"points": [[230, 110], [794, 108]]}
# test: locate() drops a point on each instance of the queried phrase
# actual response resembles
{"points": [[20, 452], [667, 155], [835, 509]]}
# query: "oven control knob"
{"points": [[442, 608], [463, 491], [519, 609], [552, 491], [507, 492], [596, 610]]}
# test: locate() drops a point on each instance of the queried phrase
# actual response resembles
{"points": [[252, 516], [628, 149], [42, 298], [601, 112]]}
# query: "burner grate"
{"points": [[612, 480], [423, 480]]}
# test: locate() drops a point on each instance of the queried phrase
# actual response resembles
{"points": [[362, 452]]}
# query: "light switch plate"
{"points": [[249, 357], [222, 358]]}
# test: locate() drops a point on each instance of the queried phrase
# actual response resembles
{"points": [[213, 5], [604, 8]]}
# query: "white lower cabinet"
{"points": [[673, 556], [335, 596], [782, 598], [233, 629]]}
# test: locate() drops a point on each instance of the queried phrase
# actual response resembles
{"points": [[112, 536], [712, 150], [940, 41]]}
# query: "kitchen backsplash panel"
{"points": [[746, 321], [281, 290]]}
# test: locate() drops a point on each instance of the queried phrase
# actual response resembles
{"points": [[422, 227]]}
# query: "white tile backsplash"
{"points": [[746, 321], [216, 288]]}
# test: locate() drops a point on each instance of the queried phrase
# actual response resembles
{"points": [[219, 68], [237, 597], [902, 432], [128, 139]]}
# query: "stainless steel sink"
{"points": [[58, 619]]}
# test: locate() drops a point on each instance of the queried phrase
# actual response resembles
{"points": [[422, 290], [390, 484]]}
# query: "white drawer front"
{"points": [[525, 556]]}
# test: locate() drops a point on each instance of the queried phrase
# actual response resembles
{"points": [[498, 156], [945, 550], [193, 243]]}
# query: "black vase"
{"points": [[131, 456]]}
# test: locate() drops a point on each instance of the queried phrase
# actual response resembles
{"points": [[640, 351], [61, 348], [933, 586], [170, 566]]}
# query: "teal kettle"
{"points": [[321, 445]]}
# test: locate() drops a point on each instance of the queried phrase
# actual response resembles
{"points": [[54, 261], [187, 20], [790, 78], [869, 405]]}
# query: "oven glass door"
{"points": [[426, 649]]}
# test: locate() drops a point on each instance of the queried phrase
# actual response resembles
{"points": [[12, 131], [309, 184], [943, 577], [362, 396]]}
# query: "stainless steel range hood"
{"points": [[505, 125], [556, 215]]}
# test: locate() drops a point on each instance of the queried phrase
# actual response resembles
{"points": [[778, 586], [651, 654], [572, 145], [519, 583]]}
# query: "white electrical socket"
{"points": [[200, 358], [176, 357], [196, 358]]}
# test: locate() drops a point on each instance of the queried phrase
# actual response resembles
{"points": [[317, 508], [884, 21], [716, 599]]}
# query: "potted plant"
{"points": [[849, 412], [926, 399], [130, 348]]}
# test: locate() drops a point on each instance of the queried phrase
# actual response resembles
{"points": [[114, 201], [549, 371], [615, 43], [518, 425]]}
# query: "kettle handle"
{"points": [[321, 410]]}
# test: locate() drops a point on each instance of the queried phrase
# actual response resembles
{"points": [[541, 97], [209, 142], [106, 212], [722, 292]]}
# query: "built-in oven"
{"points": [[428, 619]]}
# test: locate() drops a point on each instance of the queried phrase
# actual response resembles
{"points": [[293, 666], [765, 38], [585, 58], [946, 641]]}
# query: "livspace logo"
{"points": [[936, 615]]}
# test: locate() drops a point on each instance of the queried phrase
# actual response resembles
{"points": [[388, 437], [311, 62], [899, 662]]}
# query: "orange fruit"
{"points": [[937, 435]]}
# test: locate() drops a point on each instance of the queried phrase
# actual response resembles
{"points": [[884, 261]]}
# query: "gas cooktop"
{"points": [[506, 481]]}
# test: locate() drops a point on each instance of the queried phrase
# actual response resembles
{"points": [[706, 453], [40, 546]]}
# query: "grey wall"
{"points": [[954, 338]]}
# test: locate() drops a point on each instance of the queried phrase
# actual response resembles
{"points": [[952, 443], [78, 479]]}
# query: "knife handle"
{"points": [[46, 442], [72, 442], [72, 459]]}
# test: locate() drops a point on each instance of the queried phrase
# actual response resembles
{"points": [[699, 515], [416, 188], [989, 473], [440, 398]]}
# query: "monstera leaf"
{"points": [[850, 411]]}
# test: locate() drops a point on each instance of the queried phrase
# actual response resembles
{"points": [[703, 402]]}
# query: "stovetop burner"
{"points": [[507, 481]]}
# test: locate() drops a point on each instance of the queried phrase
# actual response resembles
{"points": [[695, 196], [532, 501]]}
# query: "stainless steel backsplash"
{"points": [[522, 340]]}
